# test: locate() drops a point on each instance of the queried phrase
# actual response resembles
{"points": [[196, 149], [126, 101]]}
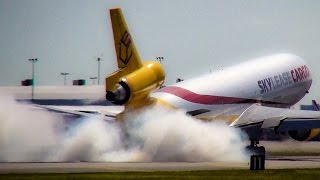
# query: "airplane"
{"points": [[252, 96]]}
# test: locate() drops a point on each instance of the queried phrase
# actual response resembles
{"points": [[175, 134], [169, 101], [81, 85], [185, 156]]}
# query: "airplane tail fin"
{"points": [[315, 105], [132, 83], [127, 54]]}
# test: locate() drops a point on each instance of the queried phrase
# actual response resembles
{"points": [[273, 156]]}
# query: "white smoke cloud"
{"points": [[89, 140], [171, 135], [26, 134], [157, 134]]}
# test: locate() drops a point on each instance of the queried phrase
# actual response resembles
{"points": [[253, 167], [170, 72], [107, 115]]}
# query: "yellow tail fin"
{"points": [[127, 54], [132, 83]]}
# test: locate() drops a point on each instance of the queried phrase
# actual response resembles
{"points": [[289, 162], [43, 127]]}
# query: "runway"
{"points": [[280, 162]]}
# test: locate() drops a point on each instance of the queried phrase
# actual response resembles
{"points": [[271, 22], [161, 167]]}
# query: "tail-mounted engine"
{"points": [[134, 87]]}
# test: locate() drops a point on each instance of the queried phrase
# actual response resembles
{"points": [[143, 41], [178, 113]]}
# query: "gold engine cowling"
{"points": [[304, 135], [134, 88]]}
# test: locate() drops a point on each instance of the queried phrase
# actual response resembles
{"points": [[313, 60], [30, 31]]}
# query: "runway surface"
{"points": [[281, 162]]}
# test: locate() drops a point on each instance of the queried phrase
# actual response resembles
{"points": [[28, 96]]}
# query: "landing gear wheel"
{"points": [[257, 156]]}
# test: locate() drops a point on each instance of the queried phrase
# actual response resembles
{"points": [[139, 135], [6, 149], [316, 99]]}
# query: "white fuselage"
{"points": [[278, 80]]}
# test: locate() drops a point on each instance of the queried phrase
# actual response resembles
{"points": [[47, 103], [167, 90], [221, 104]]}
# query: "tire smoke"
{"points": [[28, 134], [171, 135]]}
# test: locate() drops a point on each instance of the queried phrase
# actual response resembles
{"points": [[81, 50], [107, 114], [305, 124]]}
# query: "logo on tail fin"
{"points": [[126, 42]]}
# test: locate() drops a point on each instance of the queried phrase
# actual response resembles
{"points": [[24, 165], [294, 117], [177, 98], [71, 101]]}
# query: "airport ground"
{"points": [[285, 160], [280, 174], [273, 162]]}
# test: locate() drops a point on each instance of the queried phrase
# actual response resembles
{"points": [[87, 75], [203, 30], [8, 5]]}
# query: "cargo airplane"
{"points": [[251, 96]]}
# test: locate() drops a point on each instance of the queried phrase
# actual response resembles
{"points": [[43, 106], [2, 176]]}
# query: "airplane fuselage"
{"points": [[279, 80]]}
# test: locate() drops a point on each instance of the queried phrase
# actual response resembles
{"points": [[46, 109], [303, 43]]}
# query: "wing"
{"points": [[257, 117], [284, 119], [108, 112], [252, 118]]}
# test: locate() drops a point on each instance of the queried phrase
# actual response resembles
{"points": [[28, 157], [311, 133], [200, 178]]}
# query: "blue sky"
{"points": [[193, 36]]}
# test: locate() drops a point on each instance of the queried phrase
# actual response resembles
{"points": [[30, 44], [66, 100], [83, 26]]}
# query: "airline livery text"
{"points": [[283, 79]]}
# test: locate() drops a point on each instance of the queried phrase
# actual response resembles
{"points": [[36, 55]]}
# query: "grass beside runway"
{"points": [[282, 174]]}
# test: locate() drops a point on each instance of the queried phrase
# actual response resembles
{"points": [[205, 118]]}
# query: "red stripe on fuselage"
{"points": [[207, 99]]}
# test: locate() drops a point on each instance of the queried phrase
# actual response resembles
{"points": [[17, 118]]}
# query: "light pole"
{"points": [[65, 77], [33, 61], [160, 59], [99, 59], [93, 80]]}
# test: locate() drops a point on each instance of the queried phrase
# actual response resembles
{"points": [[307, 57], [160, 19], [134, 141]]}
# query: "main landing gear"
{"points": [[257, 155]]}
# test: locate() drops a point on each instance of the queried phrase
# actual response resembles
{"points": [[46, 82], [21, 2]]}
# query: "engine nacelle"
{"points": [[304, 135], [137, 85]]}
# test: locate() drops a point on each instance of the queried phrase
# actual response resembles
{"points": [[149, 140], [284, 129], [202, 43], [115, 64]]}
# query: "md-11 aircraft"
{"points": [[251, 96]]}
